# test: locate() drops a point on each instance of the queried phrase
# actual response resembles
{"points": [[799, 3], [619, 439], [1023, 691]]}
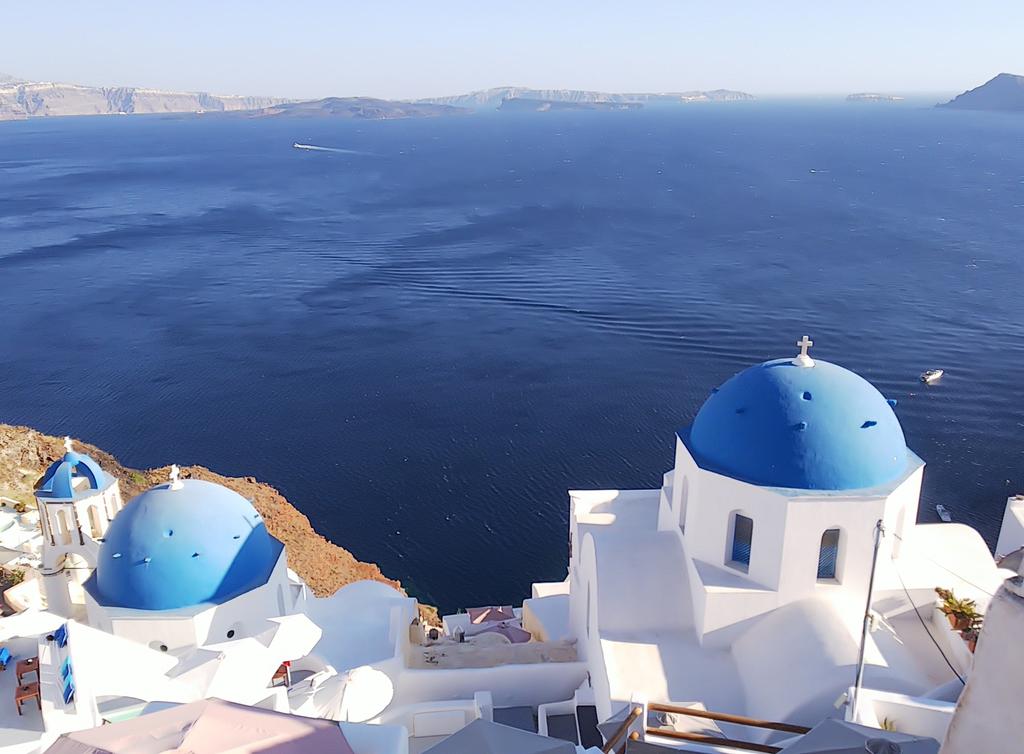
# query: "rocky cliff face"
{"points": [[324, 566], [492, 98], [19, 99], [1004, 92]]}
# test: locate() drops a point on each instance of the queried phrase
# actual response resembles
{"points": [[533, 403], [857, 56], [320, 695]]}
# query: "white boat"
{"points": [[944, 513], [931, 375]]}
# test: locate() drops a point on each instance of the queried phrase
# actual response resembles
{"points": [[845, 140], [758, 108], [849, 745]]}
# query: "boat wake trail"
{"points": [[315, 148]]}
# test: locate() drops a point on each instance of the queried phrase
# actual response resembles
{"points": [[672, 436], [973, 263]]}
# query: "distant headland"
{"points": [[1004, 92], [21, 99]]}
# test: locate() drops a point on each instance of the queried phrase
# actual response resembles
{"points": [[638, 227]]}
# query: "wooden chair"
{"points": [[26, 693], [283, 673]]}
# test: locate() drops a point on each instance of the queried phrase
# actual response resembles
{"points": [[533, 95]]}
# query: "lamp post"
{"points": [[879, 533]]}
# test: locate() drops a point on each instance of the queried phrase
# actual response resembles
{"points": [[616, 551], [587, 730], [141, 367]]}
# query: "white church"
{"points": [[777, 582]]}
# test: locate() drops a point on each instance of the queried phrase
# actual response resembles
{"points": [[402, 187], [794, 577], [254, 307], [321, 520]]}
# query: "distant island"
{"points": [[546, 105], [873, 97], [20, 99], [489, 99], [1004, 92], [366, 108]]}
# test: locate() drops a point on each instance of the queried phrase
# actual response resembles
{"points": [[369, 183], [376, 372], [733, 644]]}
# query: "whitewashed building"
{"points": [[781, 555]]}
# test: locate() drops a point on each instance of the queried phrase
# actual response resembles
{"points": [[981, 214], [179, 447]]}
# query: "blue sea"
{"points": [[426, 339]]}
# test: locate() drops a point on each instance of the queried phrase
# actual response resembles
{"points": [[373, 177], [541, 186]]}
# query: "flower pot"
{"points": [[952, 620], [961, 623], [972, 643]]}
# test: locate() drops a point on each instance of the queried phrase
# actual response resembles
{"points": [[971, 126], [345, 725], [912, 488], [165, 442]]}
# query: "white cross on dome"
{"points": [[802, 359], [175, 477]]}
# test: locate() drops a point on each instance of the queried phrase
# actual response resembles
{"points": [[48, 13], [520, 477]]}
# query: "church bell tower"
{"points": [[76, 501]]}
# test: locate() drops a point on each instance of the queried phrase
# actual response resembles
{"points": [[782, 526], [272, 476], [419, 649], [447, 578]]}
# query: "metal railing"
{"points": [[620, 732], [725, 718]]}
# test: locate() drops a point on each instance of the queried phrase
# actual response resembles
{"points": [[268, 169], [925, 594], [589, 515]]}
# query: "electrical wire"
{"points": [[947, 570], [925, 625]]}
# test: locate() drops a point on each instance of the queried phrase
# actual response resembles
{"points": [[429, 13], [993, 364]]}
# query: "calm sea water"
{"points": [[425, 341]]}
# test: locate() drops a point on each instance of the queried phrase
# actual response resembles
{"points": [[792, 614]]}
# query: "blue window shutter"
{"points": [[742, 537], [828, 554]]}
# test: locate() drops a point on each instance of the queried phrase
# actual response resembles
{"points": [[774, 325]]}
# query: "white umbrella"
{"points": [[840, 737], [356, 696], [485, 737]]}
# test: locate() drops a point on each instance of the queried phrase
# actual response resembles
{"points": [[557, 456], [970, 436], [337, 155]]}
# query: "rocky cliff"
{"points": [[1004, 92], [492, 98], [323, 565], [21, 99]]}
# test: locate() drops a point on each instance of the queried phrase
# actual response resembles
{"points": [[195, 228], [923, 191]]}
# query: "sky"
{"points": [[417, 48]]}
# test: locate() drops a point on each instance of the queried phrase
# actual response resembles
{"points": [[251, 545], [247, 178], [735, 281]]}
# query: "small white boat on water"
{"points": [[944, 513], [931, 375]]}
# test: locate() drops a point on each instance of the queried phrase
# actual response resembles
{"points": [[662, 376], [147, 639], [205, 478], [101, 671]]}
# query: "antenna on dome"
{"points": [[176, 483], [802, 359], [67, 443]]}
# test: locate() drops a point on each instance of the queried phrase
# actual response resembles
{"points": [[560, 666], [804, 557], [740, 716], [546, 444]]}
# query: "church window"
{"points": [[95, 524], [64, 527], [742, 538], [828, 554]]}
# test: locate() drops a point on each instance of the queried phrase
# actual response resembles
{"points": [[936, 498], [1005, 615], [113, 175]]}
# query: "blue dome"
{"points": [[58, 481], [778, 424], [173, 548]]}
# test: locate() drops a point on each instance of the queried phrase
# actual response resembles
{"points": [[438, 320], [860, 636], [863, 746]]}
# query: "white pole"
{"points": [[879, 532]]}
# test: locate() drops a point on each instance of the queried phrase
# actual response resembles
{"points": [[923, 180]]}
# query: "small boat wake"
{"points": [[315, 148]]}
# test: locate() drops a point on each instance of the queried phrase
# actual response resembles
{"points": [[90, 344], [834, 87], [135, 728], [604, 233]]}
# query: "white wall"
{"points": [[198, 625], [1011, 534], [510, 685], [988, 716], [787, 529], [913, 715]]}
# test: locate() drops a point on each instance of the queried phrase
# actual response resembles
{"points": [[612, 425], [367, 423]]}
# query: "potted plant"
{"points": [[972, 632], [960, 612], [971, 637], [966, 614]]}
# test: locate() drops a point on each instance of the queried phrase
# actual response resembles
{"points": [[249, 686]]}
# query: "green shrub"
{"points": [[12, 576]]}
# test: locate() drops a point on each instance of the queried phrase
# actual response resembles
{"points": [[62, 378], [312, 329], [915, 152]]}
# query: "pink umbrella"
{"points": [[209, 726], [479, 615]]}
